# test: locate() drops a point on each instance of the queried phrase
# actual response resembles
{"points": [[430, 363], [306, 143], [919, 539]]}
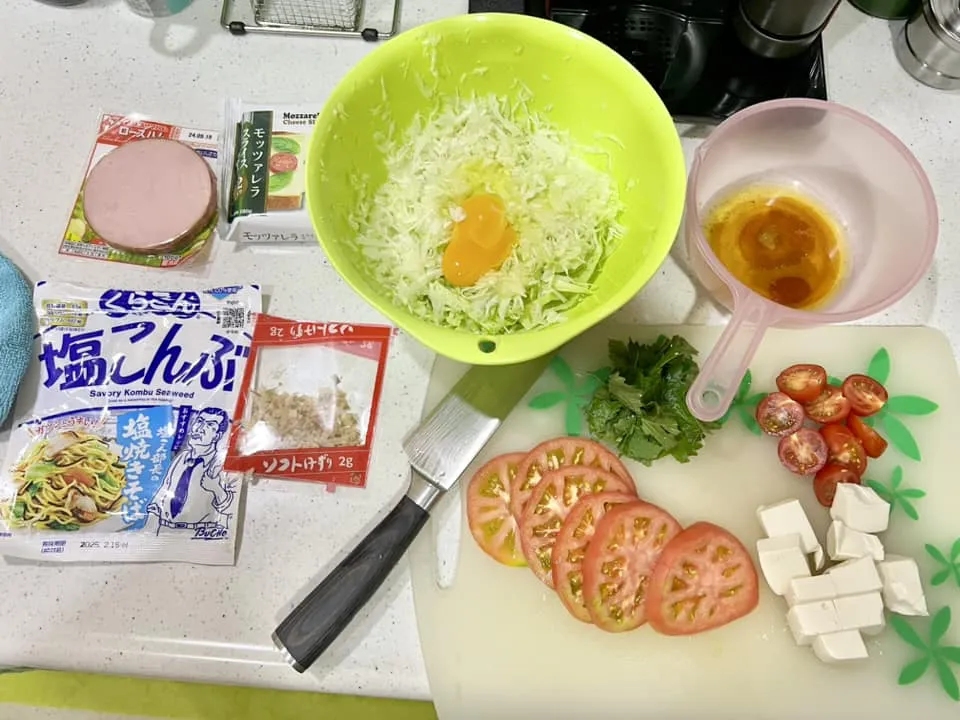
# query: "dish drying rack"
{"points": [[329, 18]]}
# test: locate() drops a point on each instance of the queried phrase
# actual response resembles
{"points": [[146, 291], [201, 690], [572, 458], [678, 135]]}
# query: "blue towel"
{"points": [[16, 332]]}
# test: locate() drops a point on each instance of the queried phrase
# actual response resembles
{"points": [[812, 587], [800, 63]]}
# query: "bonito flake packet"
{"points": [[118, 453]]}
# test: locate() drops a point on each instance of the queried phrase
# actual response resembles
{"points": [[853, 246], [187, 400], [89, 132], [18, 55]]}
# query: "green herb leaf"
{"points": [[950, 653], [603, 374], [19, 509], [547, 400], [948, 680], [940, 624], [913, 671], [642, 409], [563, 372], [278, 181], [900, 437], [911, 405], [906, 632], [282, 144], [879, 367]]}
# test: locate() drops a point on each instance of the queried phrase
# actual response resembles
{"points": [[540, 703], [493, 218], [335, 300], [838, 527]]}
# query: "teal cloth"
{"points": [[16, 333]]}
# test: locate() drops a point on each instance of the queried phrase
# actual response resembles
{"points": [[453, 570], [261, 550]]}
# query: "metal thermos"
{"points": [[781, 28], [928, 46]]}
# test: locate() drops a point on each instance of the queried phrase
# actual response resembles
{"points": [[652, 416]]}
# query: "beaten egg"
{"points": [[481, 241], [779, 244]]}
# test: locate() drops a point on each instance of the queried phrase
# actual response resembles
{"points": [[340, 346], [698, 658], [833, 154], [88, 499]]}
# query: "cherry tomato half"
{"points": [[779, 415], [830, 406], [804, 452], [844, 449], [865, 394], [872, 441], [826, 481], [803, 383]]}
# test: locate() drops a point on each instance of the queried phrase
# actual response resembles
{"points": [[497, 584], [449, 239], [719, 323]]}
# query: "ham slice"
{"points": [[150, 196]]}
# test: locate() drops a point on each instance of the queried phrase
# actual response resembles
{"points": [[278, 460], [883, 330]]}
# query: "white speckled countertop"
{"points": [[58, 68]]}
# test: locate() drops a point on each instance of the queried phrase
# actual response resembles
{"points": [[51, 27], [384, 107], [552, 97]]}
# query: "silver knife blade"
{"points": [[454, 433]]}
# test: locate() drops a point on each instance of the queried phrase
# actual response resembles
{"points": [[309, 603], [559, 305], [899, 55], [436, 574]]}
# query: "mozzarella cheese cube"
{"points": [[818, 558], [839, 646], [855, 577], [781, 560], [787, 518], [902, 590], [860, 508], [861, 612], [810, 589], [843, 543], [809, 620]]}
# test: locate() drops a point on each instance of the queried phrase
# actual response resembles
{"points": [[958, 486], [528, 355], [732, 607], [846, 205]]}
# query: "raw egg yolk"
{"points": [[480, 242]]}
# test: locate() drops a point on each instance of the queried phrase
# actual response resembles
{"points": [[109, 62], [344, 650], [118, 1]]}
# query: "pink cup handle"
{"points": [[716, 386]]}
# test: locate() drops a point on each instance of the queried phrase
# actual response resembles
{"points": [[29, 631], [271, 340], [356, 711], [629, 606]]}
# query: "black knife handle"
{"points": [[317, 621]]}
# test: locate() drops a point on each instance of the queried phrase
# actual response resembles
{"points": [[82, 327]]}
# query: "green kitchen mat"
{"points": [[189, 701]]}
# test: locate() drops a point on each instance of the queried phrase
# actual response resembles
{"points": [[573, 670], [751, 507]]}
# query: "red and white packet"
{"points": [[295, 372]]}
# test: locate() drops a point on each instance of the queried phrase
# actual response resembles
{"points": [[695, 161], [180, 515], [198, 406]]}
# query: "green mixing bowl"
{"points": [[580, 84]]}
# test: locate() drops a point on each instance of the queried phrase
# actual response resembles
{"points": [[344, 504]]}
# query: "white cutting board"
{"points": [[498, 644]]}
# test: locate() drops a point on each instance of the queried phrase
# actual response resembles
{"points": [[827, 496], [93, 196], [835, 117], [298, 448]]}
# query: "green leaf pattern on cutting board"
{"points": [[934, 655], [950, 562], [744, 405], [888, 421], [574, 396], [897, 495]]}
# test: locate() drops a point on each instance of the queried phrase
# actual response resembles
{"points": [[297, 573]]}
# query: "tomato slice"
{"points": [[830, 406], [778, 414], [803, 383], [826, 481], [549, 506], [571, 546], [705, 578], [843, 448], [555, 454], [865, 394], [619, 560], [804, 452], [873, 442], [488, 509]]}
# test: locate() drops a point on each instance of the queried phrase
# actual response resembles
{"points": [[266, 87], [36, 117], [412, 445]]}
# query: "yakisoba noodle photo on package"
{"points": [[120, 447]]}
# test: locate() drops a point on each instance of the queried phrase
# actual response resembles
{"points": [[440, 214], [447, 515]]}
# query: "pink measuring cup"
{"points": [[852, 166]]}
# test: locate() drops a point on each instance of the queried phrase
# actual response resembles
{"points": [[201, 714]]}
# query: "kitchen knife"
{"points": [[439, 451]]}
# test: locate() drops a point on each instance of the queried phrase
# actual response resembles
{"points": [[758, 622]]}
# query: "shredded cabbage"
{"points": [[563, 209]]}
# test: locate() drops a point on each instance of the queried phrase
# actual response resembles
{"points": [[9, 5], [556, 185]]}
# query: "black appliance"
{"points": [[687, 49]]}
